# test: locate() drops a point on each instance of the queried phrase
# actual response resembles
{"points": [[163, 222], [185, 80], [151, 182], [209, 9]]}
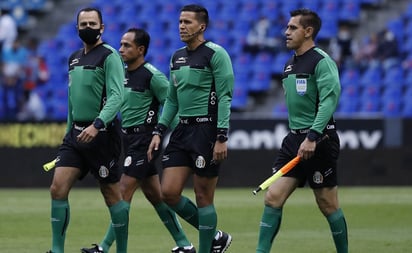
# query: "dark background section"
{"points": [[23, 168], [387, 164]]}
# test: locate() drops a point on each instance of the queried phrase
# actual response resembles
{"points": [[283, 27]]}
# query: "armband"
{"points": [[98, 123], [159, 129]]}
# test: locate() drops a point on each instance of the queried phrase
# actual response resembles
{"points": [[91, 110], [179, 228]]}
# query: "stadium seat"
{"points": [[372, 75], [394, 77], [350, 76], [34, 5], [391, 107], [240, 91], [350, 11], [260, 81], [280, 110], [370, 105], [407, 109], [279, 62]]}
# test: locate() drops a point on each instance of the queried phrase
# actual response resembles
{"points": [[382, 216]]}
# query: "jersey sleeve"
{"points": [[114, 76], [329, 91], [224, 79], [170, 107]]}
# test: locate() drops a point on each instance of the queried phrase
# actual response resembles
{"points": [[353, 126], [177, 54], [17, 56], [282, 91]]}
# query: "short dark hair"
{"points": [[87, 9], [141, 38], [202, 15], [309, 18]]}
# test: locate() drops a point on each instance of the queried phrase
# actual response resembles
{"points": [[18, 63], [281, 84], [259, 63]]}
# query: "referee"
{"points": [[92, 142], [312, 89]]}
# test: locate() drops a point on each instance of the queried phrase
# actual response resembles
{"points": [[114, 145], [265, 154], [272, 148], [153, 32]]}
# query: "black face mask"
{"points": [[89, 36]]}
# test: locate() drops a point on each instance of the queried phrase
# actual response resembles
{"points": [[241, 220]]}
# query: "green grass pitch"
{"points": [[379, 221]]}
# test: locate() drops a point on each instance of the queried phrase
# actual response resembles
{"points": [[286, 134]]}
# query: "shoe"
{"points": [[49, 251], [222, 243], [95, 249], [185, 249]]}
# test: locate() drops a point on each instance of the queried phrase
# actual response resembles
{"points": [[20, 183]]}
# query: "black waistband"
{"points": [[80, 126], [306, 130], [196, 120], [135, 129]]}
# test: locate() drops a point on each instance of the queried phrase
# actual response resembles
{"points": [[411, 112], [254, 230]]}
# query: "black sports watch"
{"points": [[221, 138]]}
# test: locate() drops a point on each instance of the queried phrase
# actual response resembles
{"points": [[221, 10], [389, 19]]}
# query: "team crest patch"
{"points": [[200, 162], [103, 172], [301, 86], [127, 161], [317, 177]]}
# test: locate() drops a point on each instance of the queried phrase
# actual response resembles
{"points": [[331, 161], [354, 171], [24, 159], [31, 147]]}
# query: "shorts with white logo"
{"points": [[320, 170], [100, 156], [192, 145], [135, 163]]}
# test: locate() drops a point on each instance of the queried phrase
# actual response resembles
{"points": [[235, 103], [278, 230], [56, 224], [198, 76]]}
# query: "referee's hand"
{"points": [[153, 147], [88, 134], [307, 149]]}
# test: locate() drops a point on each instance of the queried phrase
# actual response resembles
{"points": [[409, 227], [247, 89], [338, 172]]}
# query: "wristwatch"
{"points": [[221, 138]]}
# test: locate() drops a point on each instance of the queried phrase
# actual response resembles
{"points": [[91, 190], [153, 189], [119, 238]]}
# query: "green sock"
{"points": [[188, 211], [108, 238], [120, 223], [60, 217], [207, 227], [269, 227], [339, 230], [168, 217]]}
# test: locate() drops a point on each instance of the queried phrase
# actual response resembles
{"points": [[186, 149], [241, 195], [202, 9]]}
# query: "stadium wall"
{"points": [[373, 152]]}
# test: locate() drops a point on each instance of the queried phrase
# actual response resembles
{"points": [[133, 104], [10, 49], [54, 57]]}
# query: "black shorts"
{"points": [[320, 170], [100, 156], [136, 163], [192, 145]]}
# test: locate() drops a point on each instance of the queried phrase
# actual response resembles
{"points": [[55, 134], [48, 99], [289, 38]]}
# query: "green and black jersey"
{"points": [[95, 85], [145, 90], [201, 83], [312, 89]]}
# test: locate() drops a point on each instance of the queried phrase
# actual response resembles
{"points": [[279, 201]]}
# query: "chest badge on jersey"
{"points": [[301, 86]]}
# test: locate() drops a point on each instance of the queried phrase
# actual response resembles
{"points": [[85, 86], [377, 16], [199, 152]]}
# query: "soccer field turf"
{"points": [[379, 221]]}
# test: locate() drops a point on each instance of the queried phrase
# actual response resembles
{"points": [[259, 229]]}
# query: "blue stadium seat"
{"points": [[370, 105], [394, 77], [249, 11], [262, 61], [391, 107], [396, 25], [372, 75], [240, 91], [407, 109], [260, 81], [279, 62], [348, 105], [34, 5], [350, 76], [350, 11], [329, 27], [280, 110], [270, 9]]}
